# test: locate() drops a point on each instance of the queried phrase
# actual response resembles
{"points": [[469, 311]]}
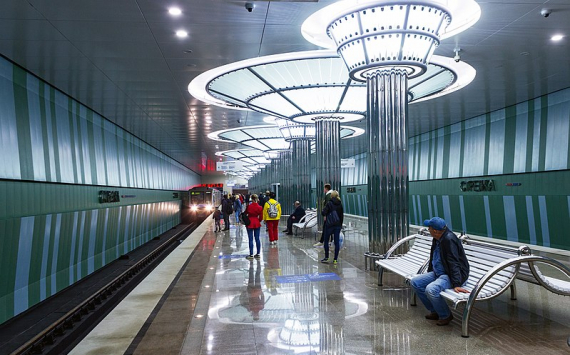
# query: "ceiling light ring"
{"points": [[414, 69], [378, 33], [362, 7], [294, 88]]}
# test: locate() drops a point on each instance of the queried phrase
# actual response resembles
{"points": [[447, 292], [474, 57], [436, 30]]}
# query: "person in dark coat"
{"points": [[217, 217], [227, 210], [295, 217], [332, 227], [448, 269], [327, 191]]}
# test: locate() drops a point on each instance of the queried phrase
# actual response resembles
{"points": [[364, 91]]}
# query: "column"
{"points": [[286, 174], [302, 172], [387, 128], [327, 158]]}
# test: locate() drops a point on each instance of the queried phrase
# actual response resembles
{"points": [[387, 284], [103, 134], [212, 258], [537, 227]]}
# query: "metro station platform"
{"points": [[206, 298]]}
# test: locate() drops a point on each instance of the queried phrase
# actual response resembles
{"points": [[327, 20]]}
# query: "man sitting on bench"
{"points": [[295, 217], [448, 268]]}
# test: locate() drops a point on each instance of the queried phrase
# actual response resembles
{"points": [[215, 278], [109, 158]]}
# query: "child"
{"points": [[217, 216]]}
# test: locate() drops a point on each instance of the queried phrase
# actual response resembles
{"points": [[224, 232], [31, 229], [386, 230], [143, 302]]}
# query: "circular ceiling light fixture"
{"points": [[388, 34]]}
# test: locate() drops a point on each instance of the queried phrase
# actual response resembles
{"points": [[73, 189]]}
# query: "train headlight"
{"points": [[194, 208], [209, 208]]}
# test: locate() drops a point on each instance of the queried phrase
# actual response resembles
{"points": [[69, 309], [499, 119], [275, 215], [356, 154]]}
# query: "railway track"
{"points": [[63, 334]]}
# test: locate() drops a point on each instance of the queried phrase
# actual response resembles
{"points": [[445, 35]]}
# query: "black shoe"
{"points": [[445, 321], [432, 316]]}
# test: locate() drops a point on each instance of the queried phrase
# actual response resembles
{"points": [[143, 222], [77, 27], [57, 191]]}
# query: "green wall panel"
{"points": [[536, 212], [43, 254]]}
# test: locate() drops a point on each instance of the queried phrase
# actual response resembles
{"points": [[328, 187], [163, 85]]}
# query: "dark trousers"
{"points": [[226, 220], [290, 224], [335, 231], [322, 240]]}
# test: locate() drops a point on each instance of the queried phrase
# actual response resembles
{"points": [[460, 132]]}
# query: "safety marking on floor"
{"points": [[327, 276]]}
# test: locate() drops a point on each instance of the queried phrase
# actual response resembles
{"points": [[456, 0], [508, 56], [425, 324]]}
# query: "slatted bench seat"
{"points": [[307, 222], [493, 269]]}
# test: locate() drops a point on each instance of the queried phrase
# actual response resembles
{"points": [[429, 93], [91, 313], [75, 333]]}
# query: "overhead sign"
{"points": [[347, 163], [230, 183], [229, 165]]}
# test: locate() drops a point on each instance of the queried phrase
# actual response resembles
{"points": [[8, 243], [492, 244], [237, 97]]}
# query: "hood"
{"points": [[335, 201]]}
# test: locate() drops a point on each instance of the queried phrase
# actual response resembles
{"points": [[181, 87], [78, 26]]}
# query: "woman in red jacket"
{"points": [[255, 214]]}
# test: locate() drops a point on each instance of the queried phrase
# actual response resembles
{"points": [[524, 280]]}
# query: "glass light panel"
{"points": [[248, 160], [235, 135], [261, 160], [276, 143], [274, 102], [353, 54], [354, 100], [416, 47], [264, 132], [345, 28], [346, 132], [321, 99], [240, 84], [435, 84], [255, 144]]}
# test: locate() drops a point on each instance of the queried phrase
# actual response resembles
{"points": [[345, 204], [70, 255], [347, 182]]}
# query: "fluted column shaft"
{"points": [[387, 127], [286, 175], [301, 187], [327, 158]]}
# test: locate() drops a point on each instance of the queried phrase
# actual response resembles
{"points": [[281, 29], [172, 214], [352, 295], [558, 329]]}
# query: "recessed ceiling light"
{"points": [[181, 33], [174, 11], [557, 38]]}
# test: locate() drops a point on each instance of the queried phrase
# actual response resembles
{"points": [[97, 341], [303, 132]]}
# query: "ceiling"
{"points": [[122, 59]]}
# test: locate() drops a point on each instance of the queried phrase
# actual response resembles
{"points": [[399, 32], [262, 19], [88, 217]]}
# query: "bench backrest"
{"points": [[482, 258]]}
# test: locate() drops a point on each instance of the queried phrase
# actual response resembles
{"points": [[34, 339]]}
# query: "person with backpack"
{"points": [[271, 216], [334, 215], [255, 215]]}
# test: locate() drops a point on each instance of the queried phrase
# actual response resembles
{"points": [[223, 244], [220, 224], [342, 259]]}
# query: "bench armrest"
{"points": [[398, 244]]}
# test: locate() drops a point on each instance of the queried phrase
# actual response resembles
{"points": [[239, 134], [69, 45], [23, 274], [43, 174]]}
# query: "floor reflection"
{"points": [[251, 312]]}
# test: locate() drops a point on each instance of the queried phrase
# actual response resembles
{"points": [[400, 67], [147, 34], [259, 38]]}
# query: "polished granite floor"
{"points": [[289, 303]]}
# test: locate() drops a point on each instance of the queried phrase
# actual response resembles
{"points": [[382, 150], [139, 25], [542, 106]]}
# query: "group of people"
{"points": [[266, 209]]}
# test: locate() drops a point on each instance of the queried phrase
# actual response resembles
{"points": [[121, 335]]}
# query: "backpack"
{"points": [[272, 212]]}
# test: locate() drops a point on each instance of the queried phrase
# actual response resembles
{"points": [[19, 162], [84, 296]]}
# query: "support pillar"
{"points": [[286, 174], [301, 186], [387, 128], [327, 158]]}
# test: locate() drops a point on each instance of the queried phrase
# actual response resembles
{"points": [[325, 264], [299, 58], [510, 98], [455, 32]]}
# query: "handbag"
{"points": [[332, 219], [245, 219]]}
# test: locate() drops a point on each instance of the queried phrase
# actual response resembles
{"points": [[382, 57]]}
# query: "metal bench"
{"points": [[493, 269], [307, 222]]}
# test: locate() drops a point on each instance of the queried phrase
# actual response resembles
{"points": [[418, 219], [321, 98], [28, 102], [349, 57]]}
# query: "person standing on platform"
{"points": [[328, 191], [448, 269], [255, 214], [295, 217], [217, 217], [227, 210], [237, 207], [334, 216], [271, 216]]}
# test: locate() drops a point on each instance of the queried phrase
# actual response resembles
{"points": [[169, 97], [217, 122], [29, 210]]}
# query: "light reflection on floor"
{"points": [[249, 312]]}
